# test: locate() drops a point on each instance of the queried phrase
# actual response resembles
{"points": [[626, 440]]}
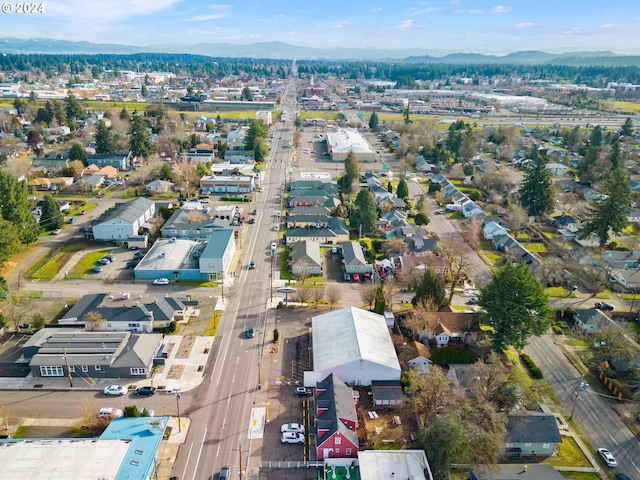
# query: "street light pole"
{"points": [[583, 385]]}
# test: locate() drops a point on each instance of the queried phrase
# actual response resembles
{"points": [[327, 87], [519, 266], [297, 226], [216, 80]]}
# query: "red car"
{"points": [[356, 277]]}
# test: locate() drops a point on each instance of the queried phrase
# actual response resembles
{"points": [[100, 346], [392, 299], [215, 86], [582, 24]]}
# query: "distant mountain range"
{"points": [[279, 50]]}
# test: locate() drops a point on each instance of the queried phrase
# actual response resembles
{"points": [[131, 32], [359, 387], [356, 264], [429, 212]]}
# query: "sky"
{"points": [[454, 25]]}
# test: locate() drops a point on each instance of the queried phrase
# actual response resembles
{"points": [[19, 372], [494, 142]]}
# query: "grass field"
{"points": [[81, 268], [629, 107], [48, 267]]}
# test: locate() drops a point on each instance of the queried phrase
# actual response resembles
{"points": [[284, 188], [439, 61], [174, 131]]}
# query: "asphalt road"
{"points": [[594, 416], [220, 409]]}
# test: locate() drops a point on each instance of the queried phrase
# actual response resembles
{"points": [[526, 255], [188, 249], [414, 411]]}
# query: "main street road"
{"points": [[220, 408], [592, 413]]}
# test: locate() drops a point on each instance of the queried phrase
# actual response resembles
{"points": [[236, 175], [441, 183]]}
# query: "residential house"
{"points": [[557, 169], [381, 194], [447, 329], [124, 220], [121, 160], [159, 186], [309, 211], [421, 358], [622, 259], [633, 216], [415, 238], [534, 434], [392, 219], [628, 278], [57, 352], [470, 209], [320, 235], [589, 320], [307, 221], [197, 223], [353, 259], [336, 419], [503, 242], [90, 183], [305, 257], [392, 203], [493, 228], [52, 161], [121, 314]]}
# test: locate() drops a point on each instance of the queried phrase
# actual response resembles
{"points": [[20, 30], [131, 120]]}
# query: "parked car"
{"points": [[252, 221], [439, 212], [70, 221], [250, 333], [607, 457], [56, 231], [292, 427], [292, 437], [356, 277], [224, 473], [472, 301], [622, 476], [252, 265], [104, 261], [95, 269], [334, 250], [115, 390], [110, 412], [145, 391], [604, 306], [132, 263], [161, 281], [303, 392], [138, 256], [110, 257]]}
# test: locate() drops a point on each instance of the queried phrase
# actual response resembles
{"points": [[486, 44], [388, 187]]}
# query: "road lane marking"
{"points": [[186, 464], [195, 470], [614, 440], [636, 467], [233, 379], [228, 399]]}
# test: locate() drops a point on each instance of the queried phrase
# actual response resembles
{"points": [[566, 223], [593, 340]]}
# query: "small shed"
{"points": [[389, 319], [386, 393]]}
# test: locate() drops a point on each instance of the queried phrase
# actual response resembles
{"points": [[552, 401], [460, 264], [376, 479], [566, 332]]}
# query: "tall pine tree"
{"points": [[609, 212], [536, 194], [140, 138]]}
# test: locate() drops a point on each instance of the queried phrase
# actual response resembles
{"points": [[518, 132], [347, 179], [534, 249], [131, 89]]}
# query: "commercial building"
{"points": [[346, 140]]}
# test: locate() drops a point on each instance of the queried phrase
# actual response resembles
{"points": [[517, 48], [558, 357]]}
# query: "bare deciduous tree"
{"points": [[332, 294], [16, 309], [472, 233], [395, 245], [421, 317], [430, 393], [317, 296], [455, 251], [368, 294], [518, 218], [303, 294]]}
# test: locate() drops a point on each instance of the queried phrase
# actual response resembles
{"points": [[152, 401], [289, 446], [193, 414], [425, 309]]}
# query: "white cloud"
{"points": [[407, 25], [454, 2], [525, 25], [201, 18], [81, 11], [476, 12], [500, 9], [608, 25], [341, 25], [422, 11]]}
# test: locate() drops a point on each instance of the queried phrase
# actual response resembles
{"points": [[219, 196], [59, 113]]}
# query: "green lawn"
{"points": [[559, 292], [48, 267], [535, 247], [81, 268], [493, 257], [569, 455]]}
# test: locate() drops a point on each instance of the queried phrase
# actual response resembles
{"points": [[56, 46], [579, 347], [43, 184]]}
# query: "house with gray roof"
{"points": [[121, 160], [122, 314], [589, 320], [628, 278], [309, 211], [305, 257], [193, 224], [159, 186], [415, 238], [353, 259], [56, 352], [534, 434], [622, 259], [124, 220], [380, 193], [307, 221]]}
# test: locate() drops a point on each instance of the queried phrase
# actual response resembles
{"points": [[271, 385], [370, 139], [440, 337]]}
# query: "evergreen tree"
{"points": [[380, 304], [367, 213], [403, 189], [536, 194], [615, 156], [373, 121], [351, 170], [596, 136], [421, 218], [260, 152], [609, 212], [73, 110], [257, 132], [246, 94], [105, 142], [9, 241], [389, 187], [124, 115], [585, 167], [431, 288], [77, 152], [51, 217], [144, 92], [627, 128], [166, 173], [515, 306], [16, 208], [140, 138]]}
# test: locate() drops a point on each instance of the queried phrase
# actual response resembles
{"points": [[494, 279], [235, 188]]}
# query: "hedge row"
{"points": [[533, 368]]}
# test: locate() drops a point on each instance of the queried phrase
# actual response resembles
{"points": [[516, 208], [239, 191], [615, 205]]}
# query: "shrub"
{"points": [[533, 368], [557, 330]]}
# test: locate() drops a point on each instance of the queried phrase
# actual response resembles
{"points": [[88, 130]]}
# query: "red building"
{"points": [[336, 419]]}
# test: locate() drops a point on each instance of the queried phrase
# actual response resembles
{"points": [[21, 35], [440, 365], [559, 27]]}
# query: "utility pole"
{"points": [[66, 361], [240, 461], [583, 385], [179, 420]]}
